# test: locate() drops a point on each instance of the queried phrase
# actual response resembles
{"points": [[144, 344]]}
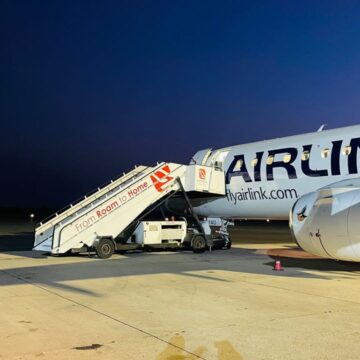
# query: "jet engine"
{"points": [[326, 222]]}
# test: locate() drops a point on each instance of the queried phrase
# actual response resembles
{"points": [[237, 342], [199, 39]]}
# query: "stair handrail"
{"points": [[92, 192], [158, 165]]}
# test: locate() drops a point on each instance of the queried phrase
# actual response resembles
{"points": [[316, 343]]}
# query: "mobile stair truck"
{"points": [[105, 220]]}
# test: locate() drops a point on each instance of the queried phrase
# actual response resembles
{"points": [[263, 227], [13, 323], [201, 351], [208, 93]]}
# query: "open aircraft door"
{"points": [[216, 159], [201, 157]]}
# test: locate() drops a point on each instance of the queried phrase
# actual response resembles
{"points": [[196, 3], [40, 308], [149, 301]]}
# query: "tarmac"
{"points": [[224, 305]]}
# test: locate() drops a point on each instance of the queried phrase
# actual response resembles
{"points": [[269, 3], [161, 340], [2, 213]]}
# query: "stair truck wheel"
{"points": [[105, 248], [198, 244]]}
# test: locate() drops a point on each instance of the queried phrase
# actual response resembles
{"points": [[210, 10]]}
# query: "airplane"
{"points": [[311, 179]]}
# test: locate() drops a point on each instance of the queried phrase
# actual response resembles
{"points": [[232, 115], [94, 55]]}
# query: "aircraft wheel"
{"points": [[198, 244], [105, 248]]}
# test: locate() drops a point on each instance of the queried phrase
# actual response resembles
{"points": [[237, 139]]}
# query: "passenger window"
{"points": [[254, 162], [287, 158], [325, 153], [270, 159], [238, 165], [305, 155], [346, 150]]}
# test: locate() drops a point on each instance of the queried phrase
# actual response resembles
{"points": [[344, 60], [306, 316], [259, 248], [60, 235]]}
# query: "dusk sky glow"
{"points": [[89, 89]]}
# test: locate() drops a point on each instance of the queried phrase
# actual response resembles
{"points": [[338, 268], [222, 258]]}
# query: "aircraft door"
{"points": [[201, 157], [217, 159]]}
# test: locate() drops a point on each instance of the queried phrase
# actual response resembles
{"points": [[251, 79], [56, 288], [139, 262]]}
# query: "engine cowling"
{"points": [[327, 222]]}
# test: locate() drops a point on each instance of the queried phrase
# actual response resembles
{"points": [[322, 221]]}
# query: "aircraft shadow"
{"points": [[297, 264], [316, 264], [182, 263]]}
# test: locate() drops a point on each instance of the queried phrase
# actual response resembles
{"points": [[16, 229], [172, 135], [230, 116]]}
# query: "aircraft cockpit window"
{"points": [[346, 150], [287, 158], [238, 165], [270, 159], [254, 162], [305, 155], [325, 153]]}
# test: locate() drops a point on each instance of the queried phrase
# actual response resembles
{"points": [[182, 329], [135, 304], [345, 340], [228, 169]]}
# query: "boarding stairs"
{"points": [[110, 209]]}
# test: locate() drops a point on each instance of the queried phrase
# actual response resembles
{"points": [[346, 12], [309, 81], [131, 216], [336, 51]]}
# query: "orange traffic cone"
{"points": [[277, 266]]}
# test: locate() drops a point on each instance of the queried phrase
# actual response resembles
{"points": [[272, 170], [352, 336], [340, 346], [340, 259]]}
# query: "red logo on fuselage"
{"points": [[161, 178], [202, 174]]}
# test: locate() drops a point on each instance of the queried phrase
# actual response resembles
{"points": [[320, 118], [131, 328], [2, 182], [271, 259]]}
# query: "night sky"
{"points": [[91, 88]]}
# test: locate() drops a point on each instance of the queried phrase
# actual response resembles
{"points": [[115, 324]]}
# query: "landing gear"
{"points": [[105, 248], [198, 244]]}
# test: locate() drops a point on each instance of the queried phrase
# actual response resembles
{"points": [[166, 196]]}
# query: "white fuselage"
{"points": [[265, 178]]}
